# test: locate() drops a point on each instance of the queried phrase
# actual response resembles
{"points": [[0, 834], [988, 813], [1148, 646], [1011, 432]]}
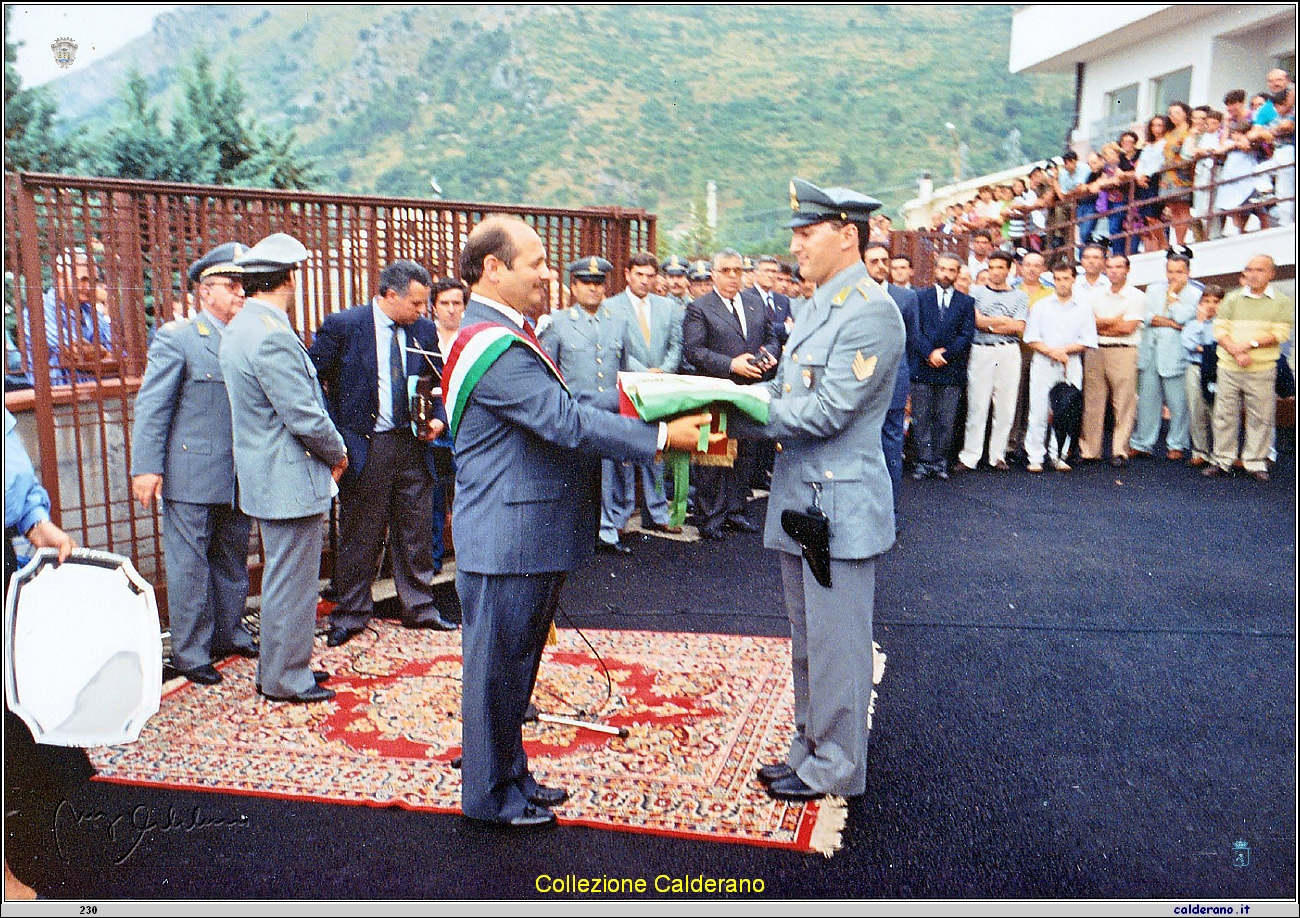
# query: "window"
{"points": [[1121, 113], [1172, 87]]}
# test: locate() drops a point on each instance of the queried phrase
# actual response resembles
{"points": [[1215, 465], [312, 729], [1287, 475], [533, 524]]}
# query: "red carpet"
{"points": [[702, 712]]}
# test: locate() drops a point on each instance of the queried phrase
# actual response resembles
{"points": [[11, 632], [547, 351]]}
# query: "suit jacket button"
{"points": [[794, 357], [209, 376], [779, 447], [787, 387], [830, 474], [184, 447]]}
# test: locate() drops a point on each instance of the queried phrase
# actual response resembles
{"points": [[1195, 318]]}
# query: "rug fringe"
{"points": [[828, 831]]}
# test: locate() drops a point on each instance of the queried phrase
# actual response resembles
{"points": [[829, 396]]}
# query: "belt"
{"points": [[1117, 345], [994, 343]]}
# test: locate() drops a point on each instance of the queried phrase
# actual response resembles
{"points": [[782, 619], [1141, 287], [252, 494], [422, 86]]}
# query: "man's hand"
{"points": [[339, 468], [146, 488], [937, 359], [684, 432], [46, 535], [744, 366], [1060, 355], [433, 431]]}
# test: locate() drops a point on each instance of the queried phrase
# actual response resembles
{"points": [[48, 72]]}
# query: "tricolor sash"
{"points": [[475, 349]]}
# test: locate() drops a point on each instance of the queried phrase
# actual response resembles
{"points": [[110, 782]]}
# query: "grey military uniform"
{"points": [[182, 432], [829, 399], [285, 445], [589, 349]]}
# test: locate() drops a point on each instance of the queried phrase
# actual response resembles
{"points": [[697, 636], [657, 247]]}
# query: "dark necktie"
{"points": [[735, 310], [397, 379]]}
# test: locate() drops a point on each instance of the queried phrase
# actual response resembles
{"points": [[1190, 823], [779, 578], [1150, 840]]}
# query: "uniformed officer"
{"points": [[700, 278], [588, 343], [587, 340], [181, 452], [829, 398], [676, 270], [288, 458]]}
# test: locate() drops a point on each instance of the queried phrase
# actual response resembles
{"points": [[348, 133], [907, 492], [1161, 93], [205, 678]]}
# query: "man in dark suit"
{"points": [[891, 434], [947, 328], [527, 507], [364, 357], [767, 276], [725, 334]]}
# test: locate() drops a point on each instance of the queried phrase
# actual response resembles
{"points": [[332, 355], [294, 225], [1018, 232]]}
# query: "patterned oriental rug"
{"points": [[701, 712]]}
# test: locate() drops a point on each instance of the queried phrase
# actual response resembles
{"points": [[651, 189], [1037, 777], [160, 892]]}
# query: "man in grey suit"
{"points": [[727, 333], [829, 400], [654, 345], [526, 507], [181, 455], [288, 459]]}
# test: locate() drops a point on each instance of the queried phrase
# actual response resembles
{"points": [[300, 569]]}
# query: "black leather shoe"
{"points": [[533, 817], [435, 622], [711, 535], [774, 772], [312, 695], [548, 796], [792, 788], [740, 525], [338, 636], [616, 548], [941, 474], [248, 651], [202, 675]]}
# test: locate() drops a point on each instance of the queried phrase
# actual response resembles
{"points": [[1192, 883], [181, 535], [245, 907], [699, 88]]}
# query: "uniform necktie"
{"points": [[397, 380]]}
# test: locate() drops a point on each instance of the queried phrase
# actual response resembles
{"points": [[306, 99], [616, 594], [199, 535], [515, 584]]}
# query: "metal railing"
{"points": [[79, 367], [1145, 224]]}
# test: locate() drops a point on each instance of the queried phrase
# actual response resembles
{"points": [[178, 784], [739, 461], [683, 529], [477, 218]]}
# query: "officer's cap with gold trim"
{"points": [[811, 204], [220, 261], [700, 271], [277, 252], [675, 267], [591, 268]]}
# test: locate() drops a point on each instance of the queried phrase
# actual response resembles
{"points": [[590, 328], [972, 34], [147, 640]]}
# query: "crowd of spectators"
{"points": [[1190, 174]]}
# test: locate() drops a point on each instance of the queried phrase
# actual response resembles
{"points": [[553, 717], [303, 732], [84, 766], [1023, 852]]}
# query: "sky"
{"points": [[97, 30]]}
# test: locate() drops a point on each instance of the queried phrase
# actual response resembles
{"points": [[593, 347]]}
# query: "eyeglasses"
{"points": [[233, 286]]}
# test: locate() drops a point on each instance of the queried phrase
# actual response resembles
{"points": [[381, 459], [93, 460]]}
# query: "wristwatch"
{"points": [[1254, 344]]}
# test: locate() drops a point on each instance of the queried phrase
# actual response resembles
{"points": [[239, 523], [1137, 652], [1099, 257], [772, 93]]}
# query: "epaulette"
{"points": [[275, 324], [176, 325], [865, 285], [202, 328]]}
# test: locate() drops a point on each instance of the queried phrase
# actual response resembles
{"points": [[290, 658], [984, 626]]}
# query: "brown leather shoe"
{"points": [[1258, 474], [1175, 455], [1196, 462]]}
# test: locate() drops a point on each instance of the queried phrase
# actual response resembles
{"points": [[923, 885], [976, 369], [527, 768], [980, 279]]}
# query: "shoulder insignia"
{"points": [[863, 367], [866, 285], [839, 298], [275, 324], [176, 324], [203, 328]]}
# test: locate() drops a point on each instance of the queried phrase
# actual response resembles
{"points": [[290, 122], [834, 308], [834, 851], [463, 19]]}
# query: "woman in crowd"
{"points": [[1150, 163], [1176, 182]]}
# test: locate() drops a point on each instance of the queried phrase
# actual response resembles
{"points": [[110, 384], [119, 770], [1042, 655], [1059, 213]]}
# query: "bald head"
{"points": [[1259, 273], [504, 260]]}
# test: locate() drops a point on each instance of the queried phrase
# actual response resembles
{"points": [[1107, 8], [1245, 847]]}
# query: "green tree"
{"points": [[33, 142], [211, 139]]}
